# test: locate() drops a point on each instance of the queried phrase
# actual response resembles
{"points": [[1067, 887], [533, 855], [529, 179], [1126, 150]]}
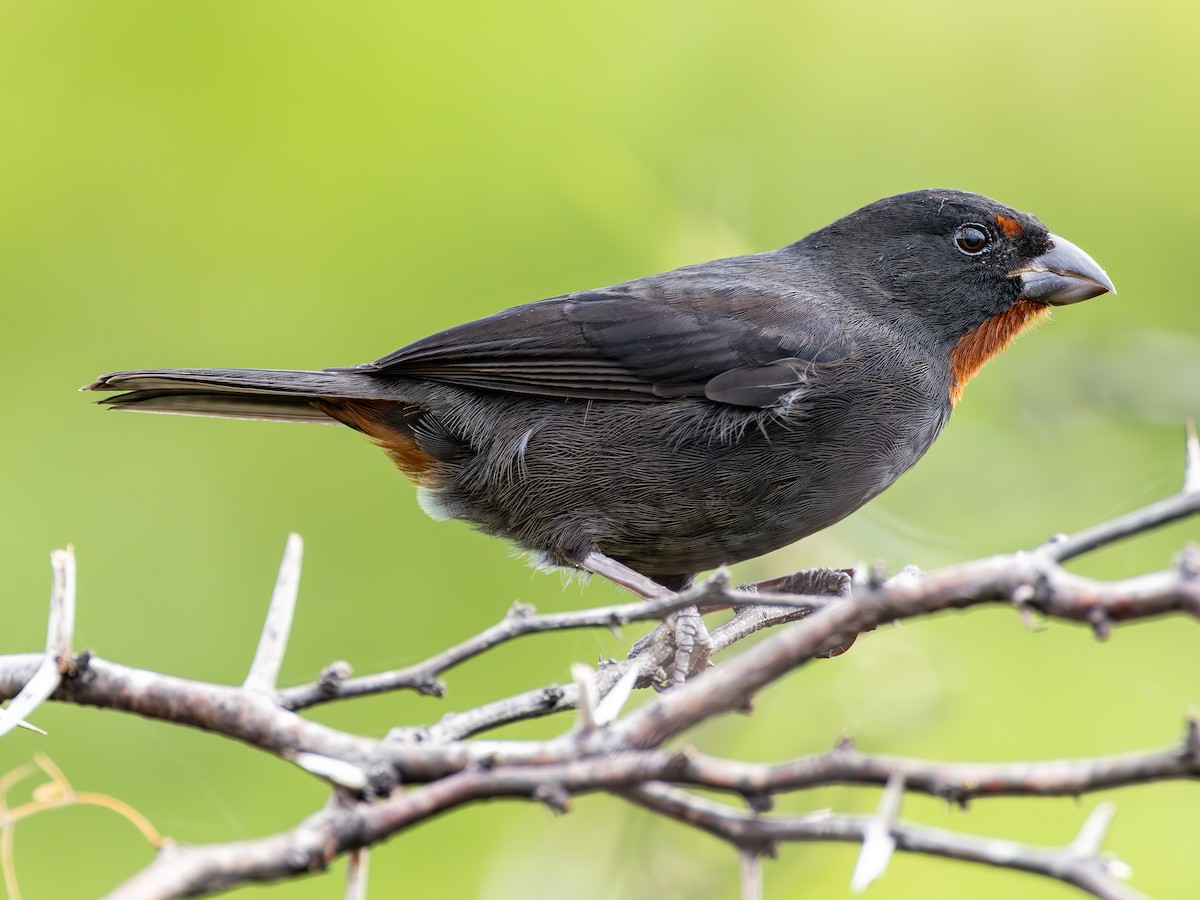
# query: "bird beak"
{"points": [[1063, 274]]}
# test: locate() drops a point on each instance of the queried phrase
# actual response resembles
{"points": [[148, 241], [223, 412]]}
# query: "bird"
{"points": [[659, 428]]}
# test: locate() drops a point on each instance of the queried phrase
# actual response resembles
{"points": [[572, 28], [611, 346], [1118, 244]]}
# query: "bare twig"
{"points": [[747, 830], [342, 827], [956, 782], [522, 620], [268, 658], [382, 787], [1185, 503], [60, 632]]}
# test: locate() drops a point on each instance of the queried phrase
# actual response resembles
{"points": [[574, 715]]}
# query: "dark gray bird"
{"points": [[702, 416]]}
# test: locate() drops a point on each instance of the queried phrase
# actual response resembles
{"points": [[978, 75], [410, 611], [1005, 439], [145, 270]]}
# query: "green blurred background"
{"points": [[291, 184]]}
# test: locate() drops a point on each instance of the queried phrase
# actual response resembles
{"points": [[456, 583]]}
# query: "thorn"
{"points": [[958, 795], [382, 779], [1101, 624], [1029, 619], [615, 622], [1191, 736], [68, 667], [889, 804], [1191, 458], [433, 687], [268, 657], [909, 575], [1022, 594], [60, 633], [552, 695], [614, 701], [878, 843], [845, 742], [1118, 868], [409, 734], [1188, 561], [877, 574], [585, 705], [759, 803], [520, 610], [554, 796], [334, 674], [1091, 835], [750, 868], [356, 873], [719, 578], [62, 600], [859, 575], [484, 762], [338, 771], [1023, 597]]}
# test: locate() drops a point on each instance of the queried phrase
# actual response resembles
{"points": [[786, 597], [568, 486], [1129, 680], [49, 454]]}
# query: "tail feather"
{"points": [[270, 394]]}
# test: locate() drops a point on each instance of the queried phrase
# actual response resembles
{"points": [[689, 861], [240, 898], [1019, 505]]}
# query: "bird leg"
{"points": [[693, 646], [620, 574]]}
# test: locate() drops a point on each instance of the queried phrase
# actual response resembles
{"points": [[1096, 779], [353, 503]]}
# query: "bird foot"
{"points": [[827, 582], [686, 631], [685, 628], [820, 582]]}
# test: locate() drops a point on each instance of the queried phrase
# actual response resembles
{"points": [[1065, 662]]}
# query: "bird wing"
{"points": [[649, 340]]}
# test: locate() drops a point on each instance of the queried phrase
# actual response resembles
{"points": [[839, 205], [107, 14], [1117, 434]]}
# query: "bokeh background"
{"points": [[294, 184]]}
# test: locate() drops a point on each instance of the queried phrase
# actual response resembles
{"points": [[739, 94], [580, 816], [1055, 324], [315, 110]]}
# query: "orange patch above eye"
{"points": [[1009, 226]]}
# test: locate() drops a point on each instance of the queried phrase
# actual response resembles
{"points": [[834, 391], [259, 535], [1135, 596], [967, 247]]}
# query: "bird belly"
{"points": [[669, 488]]}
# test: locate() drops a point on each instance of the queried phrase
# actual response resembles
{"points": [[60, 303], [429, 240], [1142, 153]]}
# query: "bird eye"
{"points": [[971, 239]]}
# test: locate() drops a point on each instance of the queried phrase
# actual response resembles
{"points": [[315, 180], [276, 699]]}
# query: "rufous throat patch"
{"points": [[978, 346]]}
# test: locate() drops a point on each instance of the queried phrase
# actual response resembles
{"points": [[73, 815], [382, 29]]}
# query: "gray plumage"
{"points": [[689, 419]]}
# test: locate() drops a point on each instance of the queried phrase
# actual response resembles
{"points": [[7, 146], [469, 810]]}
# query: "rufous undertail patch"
{"points": [[976, 347], [377, 419]]}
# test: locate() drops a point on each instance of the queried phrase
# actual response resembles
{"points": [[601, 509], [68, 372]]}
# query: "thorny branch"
{"points": [[441, 770]]}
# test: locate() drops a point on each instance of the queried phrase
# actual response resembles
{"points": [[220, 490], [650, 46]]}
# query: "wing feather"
{"points": [[721, 331]]}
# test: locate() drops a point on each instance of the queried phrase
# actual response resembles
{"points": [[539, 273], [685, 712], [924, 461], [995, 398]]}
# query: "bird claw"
{"points": [[693, 645], [822, 581], [689, 635]]}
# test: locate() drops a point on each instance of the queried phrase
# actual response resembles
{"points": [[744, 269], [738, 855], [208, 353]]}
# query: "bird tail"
{"points": [[272, 394]]}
